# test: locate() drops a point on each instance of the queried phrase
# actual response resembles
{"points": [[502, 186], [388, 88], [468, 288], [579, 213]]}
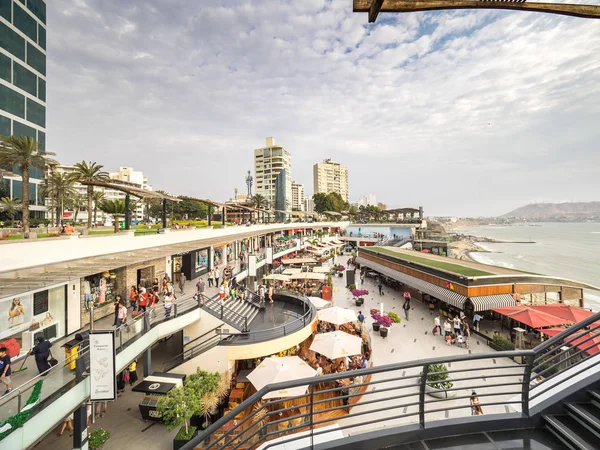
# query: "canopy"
{"points": [[337, 315], [531, 317], [308, 276], [319, 302], [292, 271], [278, 370], [299, 261], [579, 340], [573, 313], [336, 344], [321, 269], [277, 276]]}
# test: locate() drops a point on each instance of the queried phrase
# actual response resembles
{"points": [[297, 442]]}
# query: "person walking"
{"points": [[476, 319], [475, 405], [437, 324], [456, 322], [41, 353], [155, 286], [467, 334], [168, 304], [406, 308], [67, 423], [261, 294], [362, 278], [5, 369], [118, 300], [182, 280], [211, 278], [200, 290], [217, 276], [361, 320], [121, 315], [380, 286], [133, 297], [447, 328], [406, 296], [143, 300], [222, 293], [132, 369], [270, 293]]}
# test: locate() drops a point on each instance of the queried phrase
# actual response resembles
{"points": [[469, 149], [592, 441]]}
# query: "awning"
{"points": [[452, 298], [487, 302]]}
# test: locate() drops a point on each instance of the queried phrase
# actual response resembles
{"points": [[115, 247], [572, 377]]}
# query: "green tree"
{"points": [[114, 208], [178, 406], [322, 202], [90, 172], [10, 207], [97, 197], [188, 208], [59, 188], [24, 152]]}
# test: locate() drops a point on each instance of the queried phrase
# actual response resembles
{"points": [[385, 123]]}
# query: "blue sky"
{"points": [[463, 112]]}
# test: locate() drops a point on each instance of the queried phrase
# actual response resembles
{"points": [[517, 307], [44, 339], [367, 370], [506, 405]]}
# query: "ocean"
{"points": [[567, 250]]}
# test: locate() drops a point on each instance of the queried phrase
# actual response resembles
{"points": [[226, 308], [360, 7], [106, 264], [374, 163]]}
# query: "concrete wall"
{"points": [[22, 254]]}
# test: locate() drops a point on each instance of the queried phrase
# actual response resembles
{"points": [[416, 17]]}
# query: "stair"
{"points": [[234, 312], [579, 428]]}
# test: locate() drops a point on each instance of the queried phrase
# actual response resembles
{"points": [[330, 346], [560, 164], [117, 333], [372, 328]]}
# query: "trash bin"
{"points": [[71, 353]]}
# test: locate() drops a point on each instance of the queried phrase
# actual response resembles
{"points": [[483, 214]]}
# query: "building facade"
{"points": [[23, 87], [297, 196], [367, 200], [269, 162], [329, 177], [282, 201], [309, 204]]}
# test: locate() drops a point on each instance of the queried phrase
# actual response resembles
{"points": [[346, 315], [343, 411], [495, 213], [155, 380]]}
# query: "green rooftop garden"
{"points": [[442, 265]]}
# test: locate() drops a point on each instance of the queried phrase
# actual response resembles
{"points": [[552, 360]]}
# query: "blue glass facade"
{"points": [[280, 195], [23, 82]]}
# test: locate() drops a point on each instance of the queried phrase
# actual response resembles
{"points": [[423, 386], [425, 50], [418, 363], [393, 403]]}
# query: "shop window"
{"points": [[40, 303]]}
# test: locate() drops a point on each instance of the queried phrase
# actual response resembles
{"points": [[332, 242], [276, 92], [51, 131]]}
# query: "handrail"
{"points": [[191, 349], [410, 380], [225, 310]]}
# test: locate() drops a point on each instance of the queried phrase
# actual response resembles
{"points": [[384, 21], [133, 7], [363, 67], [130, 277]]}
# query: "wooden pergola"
{"points": [[374, 7]]}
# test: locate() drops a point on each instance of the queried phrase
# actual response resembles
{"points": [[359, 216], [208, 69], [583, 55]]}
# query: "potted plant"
{"points": [[375, 316], [98, 438], [340, 270], [395, 317], [177, 408], [358, 296], [385, 324], [438, 383]]}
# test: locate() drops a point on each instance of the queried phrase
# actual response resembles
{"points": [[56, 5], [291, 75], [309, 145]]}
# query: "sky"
{"points": [[466, 113]]}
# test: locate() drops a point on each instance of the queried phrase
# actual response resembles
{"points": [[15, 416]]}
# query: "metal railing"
{"points": [[200, 345], [223, 312], [407, 393]]}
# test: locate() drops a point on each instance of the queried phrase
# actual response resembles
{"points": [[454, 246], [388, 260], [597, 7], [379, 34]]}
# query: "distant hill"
{"points": [[557, 211]]}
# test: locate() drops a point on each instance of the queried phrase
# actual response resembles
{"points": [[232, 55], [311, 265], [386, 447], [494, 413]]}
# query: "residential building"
{"points": [[235, 211], [269, 162], [282, 201], [382, 206], [129, 175], [367, 200], [23, 87], [329, 177], [309, 204], [297, 196]]}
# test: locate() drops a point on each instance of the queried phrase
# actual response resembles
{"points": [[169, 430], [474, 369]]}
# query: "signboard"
{"points": [[16, 314], [297, 244], [103, 379], [269, 255], [251, 265]]}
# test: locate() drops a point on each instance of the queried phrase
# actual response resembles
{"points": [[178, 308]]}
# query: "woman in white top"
{"points": [[168, 303]]}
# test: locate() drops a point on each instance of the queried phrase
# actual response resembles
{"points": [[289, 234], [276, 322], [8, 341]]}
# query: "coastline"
{"points": [[463, 248]]}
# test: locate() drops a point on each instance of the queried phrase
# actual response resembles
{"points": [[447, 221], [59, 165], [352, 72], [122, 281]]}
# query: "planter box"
{"points": [[177, 444], [383, 331], [439, 393], [375, 326]]}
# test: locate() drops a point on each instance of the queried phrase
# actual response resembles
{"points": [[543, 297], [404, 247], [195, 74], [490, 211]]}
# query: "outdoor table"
{"points": [[242, 376], [236, 394]]}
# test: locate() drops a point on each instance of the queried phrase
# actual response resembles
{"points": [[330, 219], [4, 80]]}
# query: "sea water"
{"points": [[567, 250]]}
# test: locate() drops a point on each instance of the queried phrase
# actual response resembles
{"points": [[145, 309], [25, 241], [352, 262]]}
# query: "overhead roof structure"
{"points": [[137, 192], [374, 7], [401, 211]]}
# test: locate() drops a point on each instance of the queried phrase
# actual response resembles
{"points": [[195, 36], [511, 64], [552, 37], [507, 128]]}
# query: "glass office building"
{"points": [[23, 86]]}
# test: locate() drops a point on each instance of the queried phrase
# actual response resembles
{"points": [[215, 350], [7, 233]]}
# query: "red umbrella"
{"points": [[578, 339], [572, 313], [532, 317]]}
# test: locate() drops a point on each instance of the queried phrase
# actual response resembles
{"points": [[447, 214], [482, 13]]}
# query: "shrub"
{"points": [[436, 374], [351, 287], [383, 320], [374, 312], [340, 268], [184, 435], [503, 342], [98, 438], [359, 292], [395, 317], [329, 281]]}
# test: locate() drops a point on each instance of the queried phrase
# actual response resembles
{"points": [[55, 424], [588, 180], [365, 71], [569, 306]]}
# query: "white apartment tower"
{"points": [[330, 177], [297, 196], [269, 161]]}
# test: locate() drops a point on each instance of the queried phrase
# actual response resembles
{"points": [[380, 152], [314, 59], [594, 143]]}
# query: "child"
{"points": [[448, 339], [460, 340]]}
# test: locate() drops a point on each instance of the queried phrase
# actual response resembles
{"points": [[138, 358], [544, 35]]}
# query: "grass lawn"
{"points": [[446, 266], [92, 232]]}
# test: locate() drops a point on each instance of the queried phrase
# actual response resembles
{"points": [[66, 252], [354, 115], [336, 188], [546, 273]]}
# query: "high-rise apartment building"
{"points": [[368, 200], [269, 162], [297, 196], [330, 177], [23, 87], [309, 204]]}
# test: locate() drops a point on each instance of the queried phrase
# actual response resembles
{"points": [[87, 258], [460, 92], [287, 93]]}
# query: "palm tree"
{"points": [[24, 152], [77, 201], [97, 196], [115, 208], [90, 172], [59, 187], [10, 207]]}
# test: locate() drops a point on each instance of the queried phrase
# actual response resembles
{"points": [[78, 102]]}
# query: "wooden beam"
{"points": [[566, 9], [374, 10]]}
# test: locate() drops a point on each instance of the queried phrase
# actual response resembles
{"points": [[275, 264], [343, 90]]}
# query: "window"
{"points": [[38, 8], [42, 37], [20, 129], [24, 79], [42, 141], [17, 189], [25, 23], [41, 89], [12, 102], [36, 113], [4, 126], [36, 59], [5, 9], [12, 42], [5, 67]]}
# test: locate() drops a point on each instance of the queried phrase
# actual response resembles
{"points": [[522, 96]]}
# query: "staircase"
{"points": [[237, 313], [579, 428]]}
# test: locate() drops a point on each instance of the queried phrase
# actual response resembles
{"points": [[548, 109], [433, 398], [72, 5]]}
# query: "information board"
{"points": [[103, 379]]}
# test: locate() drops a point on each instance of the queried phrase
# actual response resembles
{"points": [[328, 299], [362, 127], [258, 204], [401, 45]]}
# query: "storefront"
{"points": [[224, 254], [100, 290], [32, 314], [193, 264]]}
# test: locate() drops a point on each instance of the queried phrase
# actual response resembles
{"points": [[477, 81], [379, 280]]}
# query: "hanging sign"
{"points": [[251, 265], [297, 244], [102, 366], [269, 255]]}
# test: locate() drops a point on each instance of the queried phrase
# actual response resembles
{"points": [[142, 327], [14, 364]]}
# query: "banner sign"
{"points": [[103, 380], [269, 255], [16, 314], [251, 265], [297, 244]]}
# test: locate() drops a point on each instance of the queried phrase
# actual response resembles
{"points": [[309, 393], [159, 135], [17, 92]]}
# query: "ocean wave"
{"points": [[483, 258]]}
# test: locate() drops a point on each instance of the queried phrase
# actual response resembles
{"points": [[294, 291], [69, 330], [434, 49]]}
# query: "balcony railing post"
{"points": [[245, 323], [526, 384], [221, 311], [422, 383], [310, 417]]}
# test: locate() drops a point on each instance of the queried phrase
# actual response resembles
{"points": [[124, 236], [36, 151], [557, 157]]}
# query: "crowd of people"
{"points": [[454, 330]]}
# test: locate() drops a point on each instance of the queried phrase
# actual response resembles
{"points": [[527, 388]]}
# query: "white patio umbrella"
{"points": [[321, 269], [308, 276], [319, 302], [277, 276], [337, 315], [292, 271], [337, 344], [277, 370]]}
